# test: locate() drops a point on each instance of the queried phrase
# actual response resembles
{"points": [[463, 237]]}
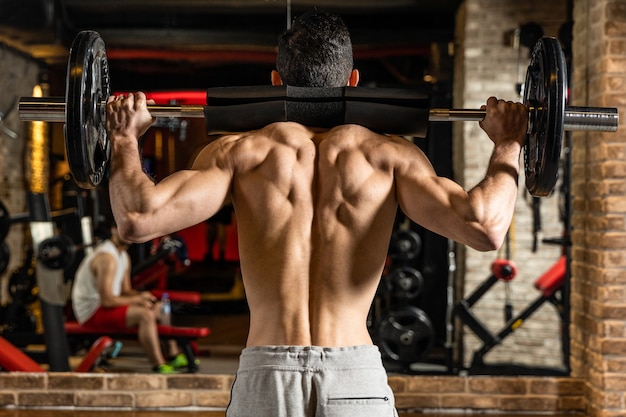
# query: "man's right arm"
{"points": [[143, 209]]}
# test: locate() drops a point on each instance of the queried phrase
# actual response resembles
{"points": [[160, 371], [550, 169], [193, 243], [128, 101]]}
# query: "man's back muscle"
{"points": [[314, 212]]}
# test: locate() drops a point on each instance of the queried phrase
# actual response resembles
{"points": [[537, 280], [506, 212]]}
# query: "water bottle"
{"points": [[166, 310]]}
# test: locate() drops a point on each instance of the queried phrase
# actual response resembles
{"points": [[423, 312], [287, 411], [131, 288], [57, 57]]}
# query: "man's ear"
{"points": [[276, 80], [353, 81]]}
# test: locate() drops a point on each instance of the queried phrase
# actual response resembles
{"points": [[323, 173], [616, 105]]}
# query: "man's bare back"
{"points": [[327, 204]]}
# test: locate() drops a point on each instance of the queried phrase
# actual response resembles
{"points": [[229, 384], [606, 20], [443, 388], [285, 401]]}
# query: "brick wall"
{"points": [[599, 201], [486, 66], [211, 392], [18, 75]]}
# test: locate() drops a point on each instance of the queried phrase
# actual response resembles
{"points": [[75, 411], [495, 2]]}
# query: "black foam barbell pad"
{"points": [[384, 110]]}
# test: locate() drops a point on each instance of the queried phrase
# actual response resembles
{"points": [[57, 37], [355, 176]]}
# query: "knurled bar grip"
{"points": [[52, 109], [603, 119]]}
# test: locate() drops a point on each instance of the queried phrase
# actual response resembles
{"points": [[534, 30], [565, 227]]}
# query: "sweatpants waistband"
{"points": [[363, 356]]}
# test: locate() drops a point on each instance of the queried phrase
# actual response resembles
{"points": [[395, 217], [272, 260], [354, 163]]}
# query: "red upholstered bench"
{"points": [[184, 336]]}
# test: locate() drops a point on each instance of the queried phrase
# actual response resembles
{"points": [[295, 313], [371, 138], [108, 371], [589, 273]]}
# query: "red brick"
{"points": [[68, 381], [571, 404], [607, 311], [612, 240], [212, 399], [613, 169], [528, 403], [23, 380], [612, 293], [556, 386], [7, 398], [397, 383], [413, 401], [129, 382], [615, 28], [470, 401], [499, 385], [615, 11], [613, 83], [615, 382], [155, 399], [204, 382], [614, 204], [104, 399], [45, 399], [608, 222], [613, 347], [615, 365], [442, 384]]}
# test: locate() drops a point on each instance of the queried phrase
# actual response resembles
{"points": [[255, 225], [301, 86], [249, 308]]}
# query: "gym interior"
{"points": [[536, 328]]}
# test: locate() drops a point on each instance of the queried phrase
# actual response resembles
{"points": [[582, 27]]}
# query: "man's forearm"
{"points": [[494, 197], [127, 180]]}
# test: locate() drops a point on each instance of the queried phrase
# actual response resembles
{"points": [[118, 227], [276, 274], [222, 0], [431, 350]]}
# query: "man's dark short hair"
{"points": [[316, 51]]}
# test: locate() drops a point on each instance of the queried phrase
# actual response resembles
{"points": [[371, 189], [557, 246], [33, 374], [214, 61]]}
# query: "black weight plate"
{"points": [[405, 282], [404, 245], [87, 88], [406, 335], [545, 93], [57, 252]]}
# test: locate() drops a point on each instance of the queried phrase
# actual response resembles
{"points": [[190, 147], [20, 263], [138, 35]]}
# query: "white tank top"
{"points": [[85, 296]]}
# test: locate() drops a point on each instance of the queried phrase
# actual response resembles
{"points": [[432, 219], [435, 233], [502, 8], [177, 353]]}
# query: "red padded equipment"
{"points": [[165, 332], [552, 280], [13, 359]]}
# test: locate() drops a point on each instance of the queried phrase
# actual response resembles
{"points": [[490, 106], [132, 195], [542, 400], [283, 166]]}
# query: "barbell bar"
{"points": [[83, 110], [52, 109], [7, 219], [576, 118]]}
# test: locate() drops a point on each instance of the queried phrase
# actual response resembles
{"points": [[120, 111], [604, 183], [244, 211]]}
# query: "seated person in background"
{"points": [[102, 296]]}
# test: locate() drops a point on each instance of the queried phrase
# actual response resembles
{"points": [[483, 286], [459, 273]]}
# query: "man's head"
{"points": [[315, 52]]}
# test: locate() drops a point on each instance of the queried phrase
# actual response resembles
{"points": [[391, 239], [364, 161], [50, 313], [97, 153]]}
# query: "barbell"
{"points": [[387, 110]]}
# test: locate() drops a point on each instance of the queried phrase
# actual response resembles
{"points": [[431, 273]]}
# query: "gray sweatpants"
{"points": [[295, 381]]}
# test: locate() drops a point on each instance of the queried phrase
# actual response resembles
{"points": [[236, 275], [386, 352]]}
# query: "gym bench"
{"points": [[186, 337]]}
